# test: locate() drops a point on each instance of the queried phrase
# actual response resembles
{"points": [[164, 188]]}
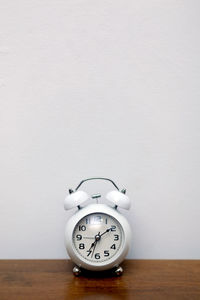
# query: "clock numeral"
{"points": [[82, 227], [94, 220], [89, 252], [116, 237], [97, 255], [106, 253], [113, 228], [79, 237], [81, 246], [97, 219], [106, 221], [87, 220], [113, 246]]}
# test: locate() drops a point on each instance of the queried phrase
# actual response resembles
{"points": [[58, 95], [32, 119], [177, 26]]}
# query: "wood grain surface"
{"points": [[142, 279]]}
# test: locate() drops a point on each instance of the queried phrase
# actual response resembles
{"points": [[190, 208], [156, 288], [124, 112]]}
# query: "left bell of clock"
{"points": [[75, 199]]}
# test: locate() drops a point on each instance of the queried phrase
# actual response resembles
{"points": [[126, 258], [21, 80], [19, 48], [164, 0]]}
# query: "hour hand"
{"points": [[90, 251], [97, 238]]}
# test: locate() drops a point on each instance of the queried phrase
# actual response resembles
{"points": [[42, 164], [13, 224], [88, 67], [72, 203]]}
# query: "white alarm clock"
{"points": [[97, 236]]}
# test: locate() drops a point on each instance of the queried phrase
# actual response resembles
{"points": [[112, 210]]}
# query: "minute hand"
{"points": [[107, 230]]}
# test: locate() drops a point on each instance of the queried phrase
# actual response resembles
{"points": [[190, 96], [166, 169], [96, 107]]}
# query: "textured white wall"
{"points": [[100, 88]]}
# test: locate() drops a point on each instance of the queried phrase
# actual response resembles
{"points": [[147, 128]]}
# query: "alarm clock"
{"points": [[97, 236]]}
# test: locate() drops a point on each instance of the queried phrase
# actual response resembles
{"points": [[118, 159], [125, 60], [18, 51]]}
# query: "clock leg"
{"points": [[119, 271], [76, 271]]}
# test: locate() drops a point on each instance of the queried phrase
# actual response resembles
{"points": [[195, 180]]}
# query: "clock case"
{"points": [[117, 258], [118, 198]]}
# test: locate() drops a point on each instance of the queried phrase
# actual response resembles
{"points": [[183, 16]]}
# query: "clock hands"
{"points": [[107, 230], [97, 238], [93, 244]]}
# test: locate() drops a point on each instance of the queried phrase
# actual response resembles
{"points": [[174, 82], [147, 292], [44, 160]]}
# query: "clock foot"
{"points": [[76, 271], [119, 271]]}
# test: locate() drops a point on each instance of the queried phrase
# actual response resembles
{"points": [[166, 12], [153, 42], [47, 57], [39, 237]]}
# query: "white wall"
{"points": [[100, 88]]}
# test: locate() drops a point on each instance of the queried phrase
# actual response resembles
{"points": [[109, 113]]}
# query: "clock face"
{"points": [[98, 237]]}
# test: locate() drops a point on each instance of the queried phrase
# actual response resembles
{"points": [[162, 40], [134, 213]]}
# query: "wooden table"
{"points": [[142, 279]]}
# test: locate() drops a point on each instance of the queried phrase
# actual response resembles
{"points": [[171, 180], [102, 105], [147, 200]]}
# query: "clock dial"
{"points": [[98, 237]]}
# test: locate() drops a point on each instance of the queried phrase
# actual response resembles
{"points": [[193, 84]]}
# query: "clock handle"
{"points": [[76, 198], [96, 178]]}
